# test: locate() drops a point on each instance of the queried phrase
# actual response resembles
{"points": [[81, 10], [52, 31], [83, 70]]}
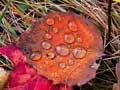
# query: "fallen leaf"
{"points": [[24, 76], [64, 47], [13, 54]]}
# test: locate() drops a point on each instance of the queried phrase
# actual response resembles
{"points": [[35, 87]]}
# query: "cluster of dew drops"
{"points": [[61, 50]]}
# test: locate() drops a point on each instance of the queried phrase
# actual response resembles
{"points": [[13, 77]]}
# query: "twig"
{"points": [[109, 20]]}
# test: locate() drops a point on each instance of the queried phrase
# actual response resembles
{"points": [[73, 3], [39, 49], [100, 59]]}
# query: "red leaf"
{"points": [[13, 53], [24, 77]]}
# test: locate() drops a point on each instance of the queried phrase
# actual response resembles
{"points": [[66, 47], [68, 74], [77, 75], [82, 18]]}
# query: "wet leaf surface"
{"points": [[59, 39]]}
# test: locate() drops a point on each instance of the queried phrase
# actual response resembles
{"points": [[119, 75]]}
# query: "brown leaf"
{"points": [[64, 47]]}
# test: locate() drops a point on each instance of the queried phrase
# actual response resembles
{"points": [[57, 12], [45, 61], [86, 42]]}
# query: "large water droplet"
{"points": [[69, 38], [79, 52], [72, 26], [36, 56], [46, 45], [62, 50], [50, 21]]}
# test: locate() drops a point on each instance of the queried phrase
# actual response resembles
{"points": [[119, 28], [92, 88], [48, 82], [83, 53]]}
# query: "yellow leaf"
{"points": [[117, 0]]}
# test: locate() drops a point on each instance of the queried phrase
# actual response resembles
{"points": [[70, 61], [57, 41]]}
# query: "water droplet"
{"points": [[50, 21], [46, 45], [72, 26], [62, 65], [51, 55], [62, 50], [69, 38], [71, 62], [79, 39], [48, 36], [79, 52], [36, 56], [55, 30]]}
